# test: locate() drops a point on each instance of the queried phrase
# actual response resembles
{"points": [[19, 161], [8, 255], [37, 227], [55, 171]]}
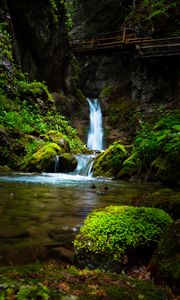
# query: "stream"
{"points": [[40, 214]]}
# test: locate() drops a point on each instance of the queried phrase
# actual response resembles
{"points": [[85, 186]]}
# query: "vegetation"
{"points": [[155, 153], [165, 198], [109, 162], [27, 118], [120, 234], [51, 281], [156, 150], [165, 264], [155, 16]]}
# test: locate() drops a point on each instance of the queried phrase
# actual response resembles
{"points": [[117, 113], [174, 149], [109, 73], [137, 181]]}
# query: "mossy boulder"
{"points": [[166, 198], [44, 158], [129, 167], [58, 138], [109, 163], [67, 163], [119, 237], [165, 264], [166, 169]]}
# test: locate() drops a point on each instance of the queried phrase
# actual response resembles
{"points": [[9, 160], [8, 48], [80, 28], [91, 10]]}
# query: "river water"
{"points": [[42, 213]]}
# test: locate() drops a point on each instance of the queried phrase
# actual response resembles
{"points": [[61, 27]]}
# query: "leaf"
{"points": [[176, 127]]}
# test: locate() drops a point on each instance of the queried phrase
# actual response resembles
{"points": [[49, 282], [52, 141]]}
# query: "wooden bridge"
{"points": [[142, 46]]}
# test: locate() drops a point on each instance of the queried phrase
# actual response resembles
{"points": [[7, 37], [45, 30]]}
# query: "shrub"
{"points": [[120, 233]]}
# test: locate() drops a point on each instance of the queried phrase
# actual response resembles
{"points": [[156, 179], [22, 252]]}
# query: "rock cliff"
{"points": [[40, 39]]}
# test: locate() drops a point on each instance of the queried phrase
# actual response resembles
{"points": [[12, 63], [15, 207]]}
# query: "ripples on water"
{"points": [[47, 209]]}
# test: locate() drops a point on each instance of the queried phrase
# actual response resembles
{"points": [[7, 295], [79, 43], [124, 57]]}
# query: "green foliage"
{"points": [[27, 108], [33, 292], [110, 162], [5, 43], [69, 7], [156, 15], [54, 12], [156, 149], [120, 230]]}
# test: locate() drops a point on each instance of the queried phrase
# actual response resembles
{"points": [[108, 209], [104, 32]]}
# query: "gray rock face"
{"points": [[99, 71], [41, 44]]}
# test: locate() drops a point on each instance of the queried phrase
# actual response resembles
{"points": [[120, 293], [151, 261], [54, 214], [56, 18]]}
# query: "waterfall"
{"points": [[95, 134], [85, 163], [56, 165], [94, 141]]}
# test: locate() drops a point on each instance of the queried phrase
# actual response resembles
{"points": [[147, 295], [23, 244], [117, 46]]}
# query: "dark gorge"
{"points": [[89, 149]]}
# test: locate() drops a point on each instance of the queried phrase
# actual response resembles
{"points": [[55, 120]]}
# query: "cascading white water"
{"points": [[94, 141], [95, 134], [85, 163]]}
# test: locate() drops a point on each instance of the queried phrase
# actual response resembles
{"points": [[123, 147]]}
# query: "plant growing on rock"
{"points": [[120, 235]]}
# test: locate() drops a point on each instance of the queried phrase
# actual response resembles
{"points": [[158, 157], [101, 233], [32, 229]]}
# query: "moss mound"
{"points": [[120, 234], [108, 164], [44, 158]]}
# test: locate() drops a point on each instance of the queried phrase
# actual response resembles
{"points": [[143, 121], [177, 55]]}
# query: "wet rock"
{"points": [[67, 163], [62, 253], [4, 139]]}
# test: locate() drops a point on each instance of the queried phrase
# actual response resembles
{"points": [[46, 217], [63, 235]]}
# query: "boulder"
{"points": [[165, 264], [119, 237]]}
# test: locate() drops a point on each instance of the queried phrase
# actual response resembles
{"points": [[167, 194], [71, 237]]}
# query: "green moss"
{"points": [[129, 166], [165, 264], [109, 163], [45, 155], [53, 281], [155, 16], [54, 13], [120, 234], [106, 92], [166, 199]]}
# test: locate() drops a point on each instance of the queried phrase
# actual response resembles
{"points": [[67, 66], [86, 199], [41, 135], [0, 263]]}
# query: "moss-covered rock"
{"points": [[165, 264], [166, 199], [109, 163], [118, 237], [44, 158], [59, 139], [129, 167], [166, 169]]}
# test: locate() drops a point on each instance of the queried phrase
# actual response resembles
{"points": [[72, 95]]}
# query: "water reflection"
{"points": [[45, 210]]}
